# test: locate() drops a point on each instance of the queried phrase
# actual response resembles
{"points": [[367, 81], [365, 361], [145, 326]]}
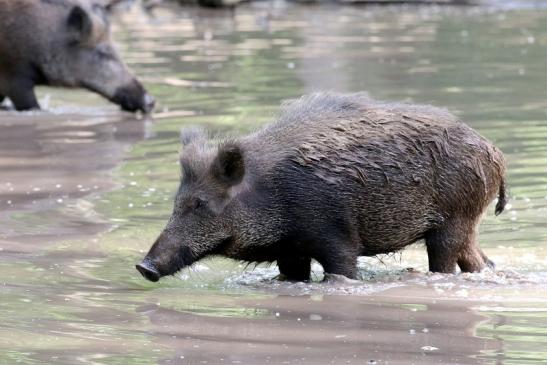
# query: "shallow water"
{"points": [[84, 190]]}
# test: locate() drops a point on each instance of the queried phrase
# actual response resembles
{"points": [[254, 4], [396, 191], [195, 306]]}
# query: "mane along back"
{"points": [[330, 130]]}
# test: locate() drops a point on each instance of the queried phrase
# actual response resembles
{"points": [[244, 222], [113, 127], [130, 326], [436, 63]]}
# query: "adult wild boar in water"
{"points": [[62, 43], [335, 177]]}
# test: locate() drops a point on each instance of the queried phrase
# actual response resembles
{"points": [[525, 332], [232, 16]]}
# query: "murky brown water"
{"points": [[84, 190]]}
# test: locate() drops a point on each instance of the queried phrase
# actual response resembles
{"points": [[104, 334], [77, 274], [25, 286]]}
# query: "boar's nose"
{"points": [[147, 269], [133, 97]]}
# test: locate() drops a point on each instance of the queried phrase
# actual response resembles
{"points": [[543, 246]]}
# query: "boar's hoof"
{"points": [[148, 271]]}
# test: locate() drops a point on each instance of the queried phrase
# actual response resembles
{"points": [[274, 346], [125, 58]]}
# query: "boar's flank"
{"points": [[335, 177]]}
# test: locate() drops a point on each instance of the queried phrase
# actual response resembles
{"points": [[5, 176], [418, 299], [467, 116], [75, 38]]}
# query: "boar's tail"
{"points": [[502, 198]]}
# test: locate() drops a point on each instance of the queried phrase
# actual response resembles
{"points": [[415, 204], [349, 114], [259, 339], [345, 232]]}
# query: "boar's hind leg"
{"points": [[294, 268], [455, 243], [443, 247], [472, 259], [470, 256]]}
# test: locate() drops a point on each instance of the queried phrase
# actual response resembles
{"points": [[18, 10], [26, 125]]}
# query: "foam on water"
{"points": [[486, 285], [267, 279]]}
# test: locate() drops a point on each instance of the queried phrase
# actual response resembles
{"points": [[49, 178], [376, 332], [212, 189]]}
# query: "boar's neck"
{"points": [[257, 223]]}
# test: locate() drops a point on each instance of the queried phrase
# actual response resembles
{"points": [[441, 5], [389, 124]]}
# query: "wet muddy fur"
{"points": [[335, 177]]}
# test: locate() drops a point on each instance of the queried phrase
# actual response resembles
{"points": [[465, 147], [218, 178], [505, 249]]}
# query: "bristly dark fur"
{"points": [[335, 177]]}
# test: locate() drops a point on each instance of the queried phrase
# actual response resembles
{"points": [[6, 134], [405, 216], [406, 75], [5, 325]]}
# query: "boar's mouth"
{"points": [[151, 268], [132, 97]]}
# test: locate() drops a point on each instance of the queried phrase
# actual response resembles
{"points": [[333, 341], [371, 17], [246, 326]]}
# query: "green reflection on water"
{"points": [[523, 333]]}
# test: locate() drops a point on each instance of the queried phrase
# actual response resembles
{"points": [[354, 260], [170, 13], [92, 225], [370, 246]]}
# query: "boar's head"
{"points": [[201, 222], [84, 56]]}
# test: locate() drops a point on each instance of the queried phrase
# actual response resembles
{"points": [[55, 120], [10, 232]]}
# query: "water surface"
{"points": [[85, 189]]}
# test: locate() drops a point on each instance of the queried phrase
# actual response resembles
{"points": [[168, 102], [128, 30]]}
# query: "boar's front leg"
{"points": [[294, 268], [22, 95], [339, 259]]}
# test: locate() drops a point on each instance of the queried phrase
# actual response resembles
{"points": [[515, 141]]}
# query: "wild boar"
{"points": [[62, 43], [335, 177]]}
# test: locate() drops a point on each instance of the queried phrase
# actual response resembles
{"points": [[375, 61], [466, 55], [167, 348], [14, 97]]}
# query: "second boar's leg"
{"points": [[454, 243], [22, 96], [295, 268]]}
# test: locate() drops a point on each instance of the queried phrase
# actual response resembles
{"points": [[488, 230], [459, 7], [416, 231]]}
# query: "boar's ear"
{"points": [[228, 166], [192, 134], [79, 24]]}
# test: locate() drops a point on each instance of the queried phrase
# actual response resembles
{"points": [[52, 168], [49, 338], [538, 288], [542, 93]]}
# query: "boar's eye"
{"points": [[104, 51], [199, 203]]}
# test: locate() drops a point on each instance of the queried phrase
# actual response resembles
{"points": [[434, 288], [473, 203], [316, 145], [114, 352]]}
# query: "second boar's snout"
{"points": [[134, 97], [147, 269], [149, 102]]}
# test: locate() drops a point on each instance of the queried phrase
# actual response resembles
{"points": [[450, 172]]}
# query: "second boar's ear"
{"points": [[110, 4], [79, 24], [228, 166]]}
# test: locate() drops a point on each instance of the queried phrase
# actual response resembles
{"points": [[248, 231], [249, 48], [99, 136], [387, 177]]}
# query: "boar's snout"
{"points": [[133, 97], [166, 256], [147, 269]]}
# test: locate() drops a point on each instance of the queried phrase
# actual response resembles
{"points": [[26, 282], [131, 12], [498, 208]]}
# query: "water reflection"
{"points": [[49, 162], [324, 329]]}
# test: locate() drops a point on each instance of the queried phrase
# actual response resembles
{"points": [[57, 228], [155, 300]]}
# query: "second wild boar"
{"points": [[62, 43], [335, 177]]}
